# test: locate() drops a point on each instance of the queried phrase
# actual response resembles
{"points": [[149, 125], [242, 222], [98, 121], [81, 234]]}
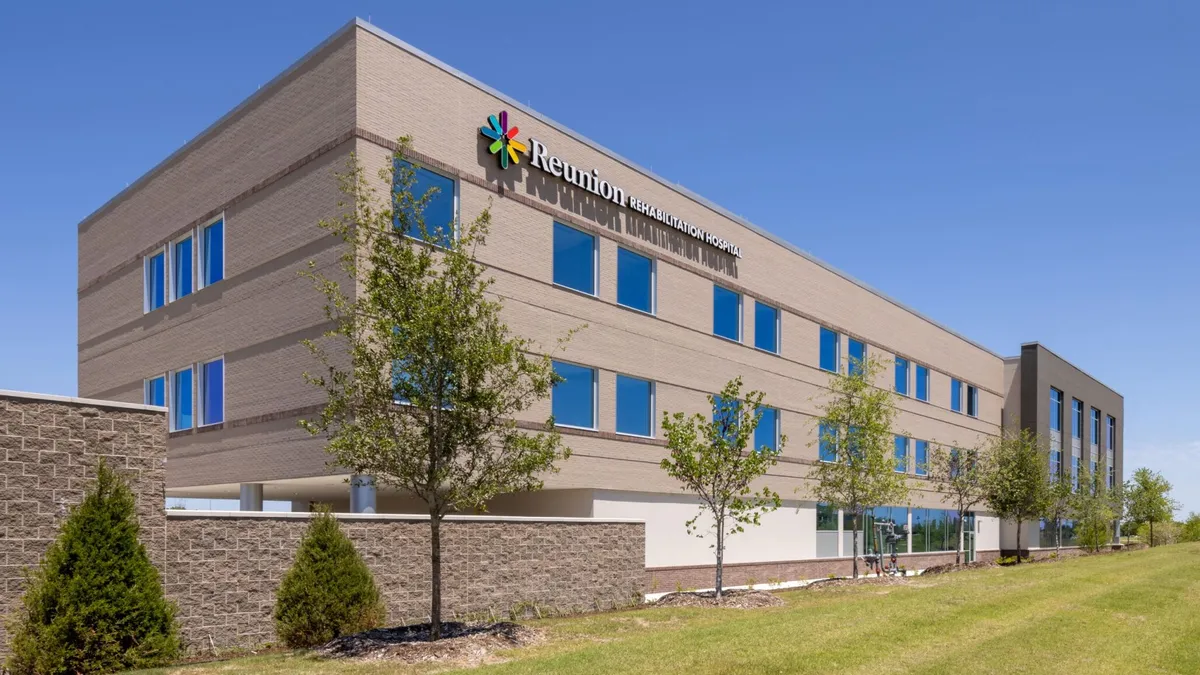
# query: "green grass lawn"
{"points": [[1125, 613]]}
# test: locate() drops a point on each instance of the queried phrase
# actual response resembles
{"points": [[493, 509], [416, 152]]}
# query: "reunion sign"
{"points": [[506, 145]]}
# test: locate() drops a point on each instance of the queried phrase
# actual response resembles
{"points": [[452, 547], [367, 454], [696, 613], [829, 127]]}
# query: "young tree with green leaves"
{"points": [[1150, 502], [715, 459], [856, 442], [328, 592], [1092, 506], [95, 604], [1018, 484], [961, 476], [1191, 528], [1060, 497], [428, 400]]}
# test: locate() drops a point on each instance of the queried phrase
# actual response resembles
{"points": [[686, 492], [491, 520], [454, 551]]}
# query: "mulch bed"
{"points": [[734, 599], [461, 643], [951, 567], [826, 584]]}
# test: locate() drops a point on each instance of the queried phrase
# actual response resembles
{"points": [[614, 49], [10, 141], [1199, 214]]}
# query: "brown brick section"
{"points": [[222, 570], [665, 579], [49, 451]]}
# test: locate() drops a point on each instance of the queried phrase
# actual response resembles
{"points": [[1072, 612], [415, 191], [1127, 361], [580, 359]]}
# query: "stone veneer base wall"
{"points": [[222, 569]]}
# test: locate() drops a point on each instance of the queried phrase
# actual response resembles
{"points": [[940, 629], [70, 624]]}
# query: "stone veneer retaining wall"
{"points": [[222, 569]]}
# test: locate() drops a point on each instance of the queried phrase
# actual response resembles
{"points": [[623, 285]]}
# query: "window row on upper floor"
{"points": [[182, 266], [1077, 421], [574, 403], [194, 395], [908, 376]]}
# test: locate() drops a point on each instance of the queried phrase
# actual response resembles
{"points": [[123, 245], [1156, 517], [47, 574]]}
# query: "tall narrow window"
{"points": [[181, 268], [902, 454], [1076, 418], [574, 259], [955, 395], [922, 383], [181, 399], [635, 281], [727, 314], [830, 342], [573, 399], [156, 391], [1095, 427], [827, 441], [1075, 473], [435, 193], [901, 376], [766, 327], [1056, 411], [766, 434], [1112, 433], [858, 356], [635, 406], [212, 241], [827, 531], [156, 280], [922, 457], [972, 400], [212, 392]]}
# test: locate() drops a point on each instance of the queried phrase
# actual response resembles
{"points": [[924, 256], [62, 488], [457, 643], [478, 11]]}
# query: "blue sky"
{"points": [[920, 147]]}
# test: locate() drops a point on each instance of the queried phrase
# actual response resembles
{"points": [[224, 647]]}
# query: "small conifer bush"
{"points": [[328, 592], [95, 604]]}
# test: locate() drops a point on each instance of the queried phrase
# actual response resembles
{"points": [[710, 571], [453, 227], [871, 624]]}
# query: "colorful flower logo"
{"points": [[506, 143]]}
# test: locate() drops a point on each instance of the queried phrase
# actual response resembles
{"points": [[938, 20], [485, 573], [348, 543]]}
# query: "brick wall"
{"points": [[50, 447], [222, 569]]}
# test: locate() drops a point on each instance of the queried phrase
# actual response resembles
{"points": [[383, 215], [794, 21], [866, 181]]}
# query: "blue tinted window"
{"points": [[902, 454], [922, 383], [827, 442], [635, 281], [922, 457], [1075, 473], [901, 376], [725, 413], [213, 269], [1112, 432], [767, 432], [858, 356], [829, 350], [766, 327], [955, 395], [437, 191], [635, 406], [156, 283], [212, 392], [181, 399], [972, 401], [1055, 409], [574, 259], [727, 313], [183, 267], [573, 401], [1095, 439], [156, 391]]}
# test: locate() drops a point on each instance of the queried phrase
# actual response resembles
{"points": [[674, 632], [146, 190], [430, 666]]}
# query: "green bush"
{"points": [[1010, 560], [95, 604], [1191, 528], [1167, 532], [328, 592]]}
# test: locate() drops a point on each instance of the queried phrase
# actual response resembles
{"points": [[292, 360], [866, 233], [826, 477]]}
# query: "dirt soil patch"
{"points": [[735, 599], [461, 643], [827, 584]]}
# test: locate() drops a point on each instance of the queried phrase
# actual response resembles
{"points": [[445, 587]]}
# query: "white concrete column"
{"points": [[251, 497], [362, 494]]}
